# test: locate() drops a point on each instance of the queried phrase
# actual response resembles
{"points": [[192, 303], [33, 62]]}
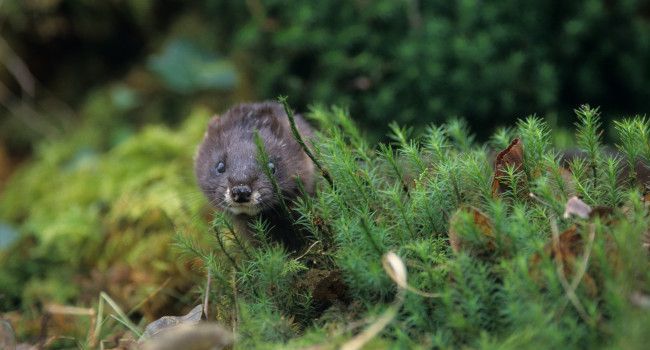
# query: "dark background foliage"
{"points": [[412, 61], [416, 62]]}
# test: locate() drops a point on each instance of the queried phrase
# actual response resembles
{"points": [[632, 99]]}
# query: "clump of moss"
{"points": [[92, 220]]}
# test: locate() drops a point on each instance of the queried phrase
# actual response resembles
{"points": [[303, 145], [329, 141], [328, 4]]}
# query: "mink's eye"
{"points": [[220, 168], [271, 167]]}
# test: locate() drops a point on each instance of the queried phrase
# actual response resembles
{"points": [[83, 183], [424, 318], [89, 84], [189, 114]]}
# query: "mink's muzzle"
{"points": [[241, 193]]}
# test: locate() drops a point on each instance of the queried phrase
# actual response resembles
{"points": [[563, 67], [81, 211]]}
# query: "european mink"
{"points": [[227, 169]]}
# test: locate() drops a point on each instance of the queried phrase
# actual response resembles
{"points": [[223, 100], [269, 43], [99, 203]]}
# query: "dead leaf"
{"points": [[574, 206], [512, 156], [642, 173], [570, 245], [165, 323], [396, 270], [479, 219], [202, 336]]}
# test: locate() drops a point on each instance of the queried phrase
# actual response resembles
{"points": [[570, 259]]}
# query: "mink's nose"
{"points": [[241, 193]]}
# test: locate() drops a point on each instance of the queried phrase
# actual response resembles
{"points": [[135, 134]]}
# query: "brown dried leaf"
{"points": [[575, 206], [570, 245], [513, 155], [479, 219]]}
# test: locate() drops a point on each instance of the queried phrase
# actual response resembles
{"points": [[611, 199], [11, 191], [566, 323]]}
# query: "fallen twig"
{"points": [[206, 298], [570, 292]]}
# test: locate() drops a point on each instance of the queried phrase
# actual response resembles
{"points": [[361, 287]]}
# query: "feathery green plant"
{"points": [[503, 287], [633, 135]]}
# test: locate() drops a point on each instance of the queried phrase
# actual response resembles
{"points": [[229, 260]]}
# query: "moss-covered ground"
{"points": [[492, 260]]}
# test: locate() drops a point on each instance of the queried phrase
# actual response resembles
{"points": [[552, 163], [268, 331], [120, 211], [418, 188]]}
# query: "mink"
{"points": [[228, 172]]}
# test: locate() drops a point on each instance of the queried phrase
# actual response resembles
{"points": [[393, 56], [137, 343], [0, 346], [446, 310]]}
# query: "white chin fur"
{"points": [[251, 208], [248, 210]]}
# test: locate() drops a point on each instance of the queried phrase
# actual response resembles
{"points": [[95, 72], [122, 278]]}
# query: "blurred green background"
{"points": [[112, 96], [144, 61]]}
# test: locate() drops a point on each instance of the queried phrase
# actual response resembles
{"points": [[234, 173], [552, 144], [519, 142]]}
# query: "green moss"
{"points": [[500, 290], [81, 212]]}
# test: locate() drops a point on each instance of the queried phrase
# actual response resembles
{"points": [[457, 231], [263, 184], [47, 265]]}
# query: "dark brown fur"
{"points": [[230, 139]]}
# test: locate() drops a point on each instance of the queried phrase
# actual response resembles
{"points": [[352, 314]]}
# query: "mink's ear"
{"points": [[266, 120], [213, 124], [276, 126]]}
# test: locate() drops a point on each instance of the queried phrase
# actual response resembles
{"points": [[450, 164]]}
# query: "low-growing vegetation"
{"points": [[496, 257], [432, 240]]}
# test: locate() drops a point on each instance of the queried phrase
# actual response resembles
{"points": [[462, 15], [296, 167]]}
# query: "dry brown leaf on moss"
{"points": [[479, 219], [567, 248], [570, 244], [512, 156], [576, 207]]}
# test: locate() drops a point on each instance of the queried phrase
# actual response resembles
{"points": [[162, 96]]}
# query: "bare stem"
{"points": [[296, 135], [217, 234], [570, 292]]}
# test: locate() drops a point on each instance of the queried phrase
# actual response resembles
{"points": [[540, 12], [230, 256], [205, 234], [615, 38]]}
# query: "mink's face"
{"points": [[233, 180], [230, 176]]}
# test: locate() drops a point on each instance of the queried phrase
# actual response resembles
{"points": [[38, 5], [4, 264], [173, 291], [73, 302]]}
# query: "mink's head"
{"points": [[227, 166]]}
